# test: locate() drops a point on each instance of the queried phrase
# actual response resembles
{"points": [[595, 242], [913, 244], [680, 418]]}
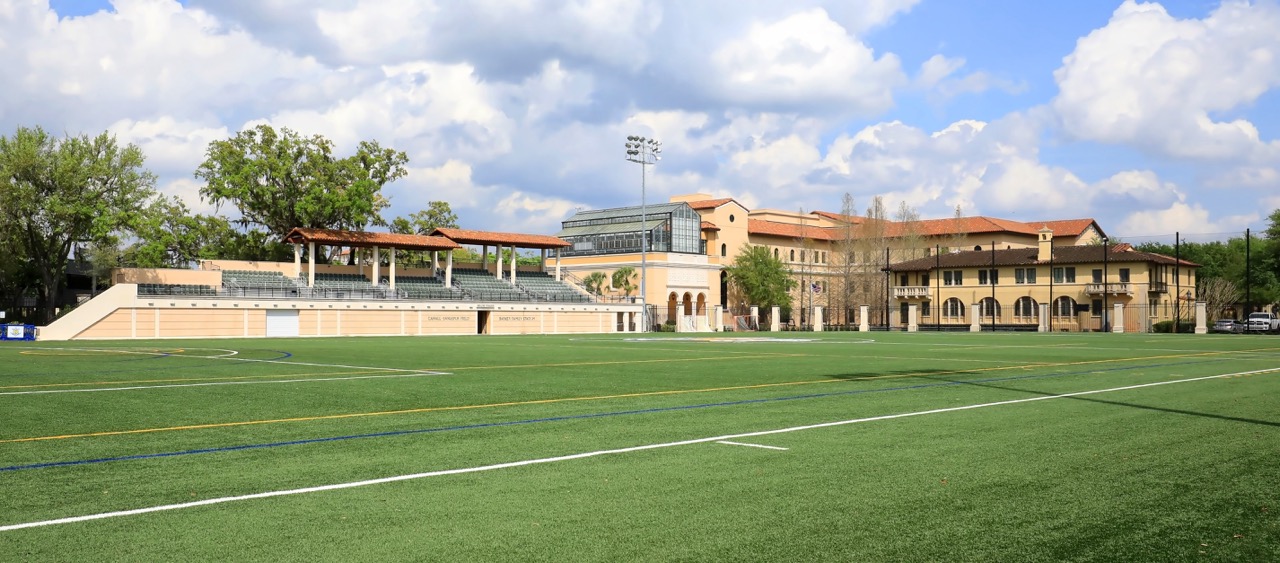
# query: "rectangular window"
{"points": [[1097, 276], [1071, 274], [1057, 275], [1024, 275], [982, 277], [988, 277], [1031, 275], [924, 308], [1097, 308], [903, 280], [1124, 275], [924, 280], [951, 277]]}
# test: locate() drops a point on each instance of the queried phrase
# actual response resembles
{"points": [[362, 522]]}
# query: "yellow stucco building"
{"points": [[841, 263]]}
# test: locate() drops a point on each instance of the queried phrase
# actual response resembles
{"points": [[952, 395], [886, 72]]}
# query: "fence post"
{"points": [[1117, 321], [976, 324], [817, 319], [913, 312], [1043, 326], [775, 320], [863, 311], [1201, 318], [719, 316]]}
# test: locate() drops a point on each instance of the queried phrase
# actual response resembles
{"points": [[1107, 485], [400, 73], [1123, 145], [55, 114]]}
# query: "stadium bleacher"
{"points": [[176, 289], [543, 287]]}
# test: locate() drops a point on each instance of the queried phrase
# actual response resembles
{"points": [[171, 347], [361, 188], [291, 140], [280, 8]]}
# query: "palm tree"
{"points": [[622, 279], [594, 282]]}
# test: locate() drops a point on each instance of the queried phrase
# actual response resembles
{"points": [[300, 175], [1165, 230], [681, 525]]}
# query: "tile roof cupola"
{"points": [[1046, 244]]}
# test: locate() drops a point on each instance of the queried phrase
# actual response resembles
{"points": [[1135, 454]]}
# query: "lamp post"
{"points": [[643, 151]]}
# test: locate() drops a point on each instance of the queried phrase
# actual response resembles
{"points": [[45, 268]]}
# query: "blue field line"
{"points": [[582, 417]]}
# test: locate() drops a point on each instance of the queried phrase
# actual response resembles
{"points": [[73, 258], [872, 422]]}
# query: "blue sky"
{"points": [[1150, 117]]}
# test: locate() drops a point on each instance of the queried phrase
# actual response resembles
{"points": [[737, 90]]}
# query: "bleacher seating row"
{"points": [[176, 289], [467, 284]]}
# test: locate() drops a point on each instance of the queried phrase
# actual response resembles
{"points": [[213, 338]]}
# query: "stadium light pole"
{"points": [[643, 151]]}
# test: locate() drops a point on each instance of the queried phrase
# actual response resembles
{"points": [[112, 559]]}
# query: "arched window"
{"points": [[724, 249], [987, 307], [953, 309], [1064, 307], [775, 254], [793, 255], [1025, 309]]}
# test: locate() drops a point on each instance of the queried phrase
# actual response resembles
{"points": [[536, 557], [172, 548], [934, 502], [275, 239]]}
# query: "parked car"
{"points": [[1262, 322], [1228, 326]]}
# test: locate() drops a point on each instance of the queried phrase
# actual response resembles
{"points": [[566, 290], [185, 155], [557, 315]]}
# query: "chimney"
{"points": [[1046, 244]]}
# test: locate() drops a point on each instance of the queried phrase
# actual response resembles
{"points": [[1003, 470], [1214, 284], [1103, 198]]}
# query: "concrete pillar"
{"points": [[1043, 326], [392, 276], [864, 324], [817, 319], [297, 260], [913, 312], [435, 261], [1117, 319], [497, 260], [311, 264], [377, 263], [975, 313], [484, 257], [542, 260], [718, 323], [513, 264], [1202, 317], [448, 270], [558, 266]]}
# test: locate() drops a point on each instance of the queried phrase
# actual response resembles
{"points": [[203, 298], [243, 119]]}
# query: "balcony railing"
{"points": [[1158, 287], [1109, 288], [911, 292]]}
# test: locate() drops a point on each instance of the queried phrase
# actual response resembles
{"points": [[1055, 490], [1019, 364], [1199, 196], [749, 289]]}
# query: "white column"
{"points": [[542, 260], [297, 260], [1044, 318], [976, 324], [1201, 318], [775, 318], [1117, 321], [863, 324], [377, 262], [435, 261], [817, 318], [497, 258], [393, 271], [719, 318], [913, 313], [513, 264], [311, 264], [558, 264], [448, 270], [484, 257]]}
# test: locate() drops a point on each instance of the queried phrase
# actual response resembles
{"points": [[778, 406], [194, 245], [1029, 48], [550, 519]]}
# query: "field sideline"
{"points": [[795, 446]]}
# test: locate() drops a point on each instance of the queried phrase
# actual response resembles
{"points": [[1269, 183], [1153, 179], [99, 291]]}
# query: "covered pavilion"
{"points": [[441, 239]]}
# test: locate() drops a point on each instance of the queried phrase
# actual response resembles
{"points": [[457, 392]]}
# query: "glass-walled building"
{"points": [[672, 227]]}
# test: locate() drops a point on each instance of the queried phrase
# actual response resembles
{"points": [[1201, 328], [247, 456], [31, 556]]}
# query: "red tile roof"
{"points": [[466, 236], [1085, 254], [972, 225], [360, 239], [709, 226], [788, 230], [712, 203]]}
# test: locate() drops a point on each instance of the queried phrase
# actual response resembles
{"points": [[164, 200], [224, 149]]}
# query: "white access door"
{"points": [[282, 323]]}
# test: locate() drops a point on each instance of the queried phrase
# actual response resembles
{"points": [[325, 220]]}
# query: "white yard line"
{"points": [[584, 455], [230, 357], [728, 443], [213, 383]]}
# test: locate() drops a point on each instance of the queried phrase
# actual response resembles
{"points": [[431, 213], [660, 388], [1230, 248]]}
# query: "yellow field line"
{"points": [[201, 379], [571, 399]]}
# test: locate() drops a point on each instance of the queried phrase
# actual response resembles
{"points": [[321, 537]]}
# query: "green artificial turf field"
{"points": [[798, 446]]}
